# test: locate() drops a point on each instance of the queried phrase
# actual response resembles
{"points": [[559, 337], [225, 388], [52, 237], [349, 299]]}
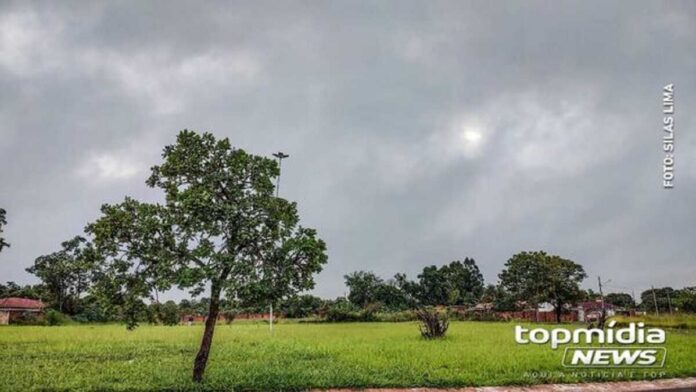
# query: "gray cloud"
{"points": [[419, 132]]}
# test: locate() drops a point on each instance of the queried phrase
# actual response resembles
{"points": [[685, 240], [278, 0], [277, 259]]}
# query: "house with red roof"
{"points": [[14, 308]]}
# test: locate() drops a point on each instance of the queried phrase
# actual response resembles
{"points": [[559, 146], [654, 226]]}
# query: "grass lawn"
{"points": [[296, 356]]}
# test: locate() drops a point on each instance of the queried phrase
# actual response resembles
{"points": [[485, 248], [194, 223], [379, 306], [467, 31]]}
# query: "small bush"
{"points": [[168, 313], [54, 317], [396, 317], [433, 323], [343, 311]]}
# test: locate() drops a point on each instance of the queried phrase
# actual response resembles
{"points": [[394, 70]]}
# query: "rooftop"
{"points": [[20, 303]]}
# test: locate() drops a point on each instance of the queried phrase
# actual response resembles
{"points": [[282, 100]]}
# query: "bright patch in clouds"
{"points": [[465, 139], [471, 137], [108, 167]]}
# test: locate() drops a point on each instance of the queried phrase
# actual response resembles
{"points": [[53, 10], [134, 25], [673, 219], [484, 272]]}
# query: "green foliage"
{"points": [[458, 283], [93, 311], [676, 321], [537, 277], [396, 317], [663, 296], [54, 317], [301, 306], [342, 310], [194, 307], [392, 298], [500, 298], [12, 289], [686, 300], [622, 300], [366, 288], [66, 273], [221, 227], [169, 313], [3, 222], [362, 287]]}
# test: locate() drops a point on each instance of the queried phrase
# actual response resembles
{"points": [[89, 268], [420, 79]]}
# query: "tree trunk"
{"points": [[559, 312], [202, 357]]}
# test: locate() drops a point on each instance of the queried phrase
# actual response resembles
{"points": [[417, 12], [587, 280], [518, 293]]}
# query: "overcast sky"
{"points": [[418, 132]]}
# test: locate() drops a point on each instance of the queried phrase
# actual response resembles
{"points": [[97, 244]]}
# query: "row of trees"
{"points": [[457, 283], [532, 277], [528, 279]]}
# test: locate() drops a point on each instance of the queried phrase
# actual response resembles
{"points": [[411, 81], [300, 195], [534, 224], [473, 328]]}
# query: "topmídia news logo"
{"points": [[632, 346]]}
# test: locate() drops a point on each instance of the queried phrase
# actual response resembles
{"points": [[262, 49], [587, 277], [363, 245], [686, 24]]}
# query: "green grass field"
{"points": [[680, 321], [245, 356]]}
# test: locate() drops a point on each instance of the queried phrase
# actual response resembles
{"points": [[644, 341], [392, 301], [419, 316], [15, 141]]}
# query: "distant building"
{"points": [[591, 311], [14, 308]]}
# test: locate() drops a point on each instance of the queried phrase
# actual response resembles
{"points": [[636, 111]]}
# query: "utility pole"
{"points": [[601, 296], [280, 155], [669, 302], [657, 311]]}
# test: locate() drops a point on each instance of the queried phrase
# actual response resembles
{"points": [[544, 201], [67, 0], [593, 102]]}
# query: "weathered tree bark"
{"points": [[202, 356]]}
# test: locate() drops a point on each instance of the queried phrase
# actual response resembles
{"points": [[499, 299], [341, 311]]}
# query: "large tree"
{"points": [[220, 228], [686, 299], [664, 298], [457, 283], [362, 287], [3, 222], [66, 273], [537, 277], [622, 300]]}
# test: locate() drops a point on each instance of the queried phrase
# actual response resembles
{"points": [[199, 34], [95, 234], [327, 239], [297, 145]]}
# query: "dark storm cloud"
{"points": [[419, 132]]}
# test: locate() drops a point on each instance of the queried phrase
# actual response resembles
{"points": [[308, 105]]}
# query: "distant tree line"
{"points": [[528, 279]]}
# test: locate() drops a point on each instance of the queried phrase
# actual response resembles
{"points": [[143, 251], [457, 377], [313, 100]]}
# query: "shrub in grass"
{"points": [[54, 317], [169, 313], [395, 317], [433, 323], [369, 313], [342, 311]]}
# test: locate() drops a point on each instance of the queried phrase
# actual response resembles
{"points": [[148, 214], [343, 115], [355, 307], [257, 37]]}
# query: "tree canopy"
{"points": [[622, 300], [362, 287], [663, 296], [66, 273], [538, 277], [221, 228], [457, 283]]}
